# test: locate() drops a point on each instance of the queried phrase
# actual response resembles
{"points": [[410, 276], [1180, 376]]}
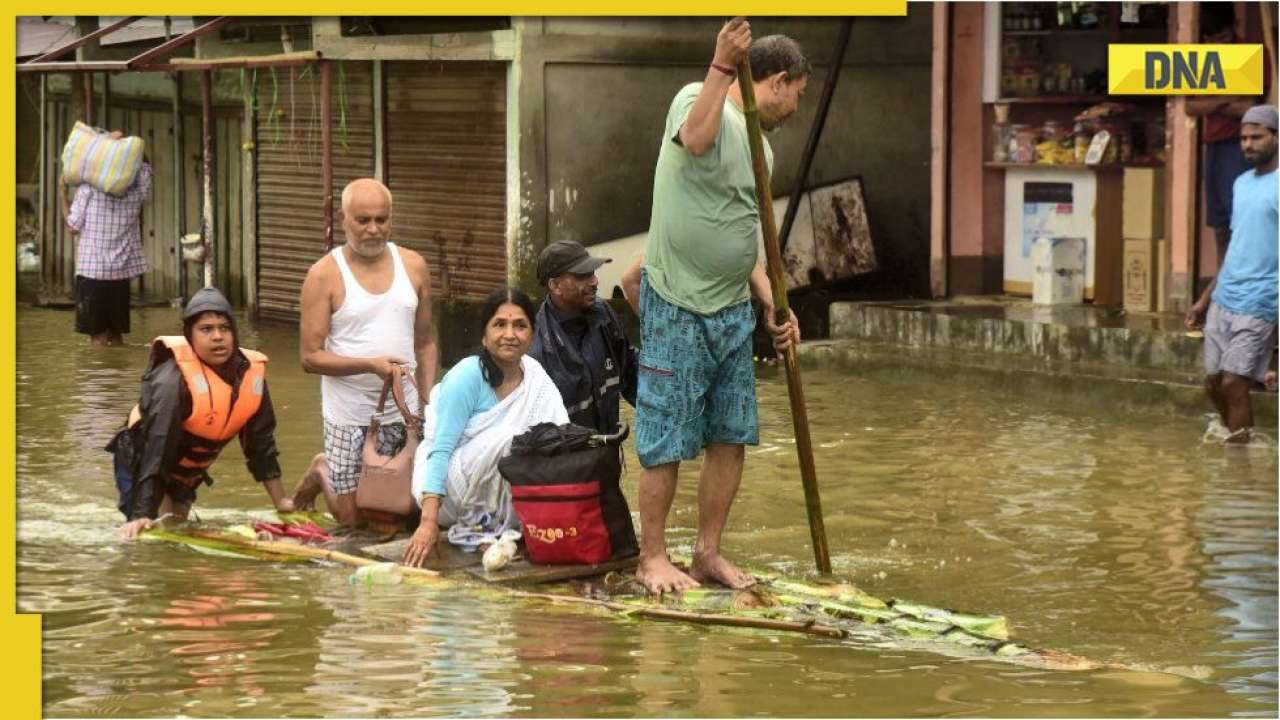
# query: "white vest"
{"points": [[369, 325]]}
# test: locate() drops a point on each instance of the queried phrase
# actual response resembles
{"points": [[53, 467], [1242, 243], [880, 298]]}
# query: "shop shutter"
{"points": [[288, 150], [446, 167]]}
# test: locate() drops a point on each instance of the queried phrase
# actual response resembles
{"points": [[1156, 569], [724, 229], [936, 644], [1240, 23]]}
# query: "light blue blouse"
{"points": [[463, 394]]}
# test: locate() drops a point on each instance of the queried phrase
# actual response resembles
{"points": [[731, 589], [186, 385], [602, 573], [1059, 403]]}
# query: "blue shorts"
{"points": [[697, 381], [1223, 163]]}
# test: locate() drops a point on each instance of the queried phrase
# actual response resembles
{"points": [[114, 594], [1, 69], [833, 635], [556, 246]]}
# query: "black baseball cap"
{"points": [[566, 256]]}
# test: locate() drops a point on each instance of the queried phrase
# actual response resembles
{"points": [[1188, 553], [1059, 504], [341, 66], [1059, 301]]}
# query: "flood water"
{"points": [[1114, 535]]}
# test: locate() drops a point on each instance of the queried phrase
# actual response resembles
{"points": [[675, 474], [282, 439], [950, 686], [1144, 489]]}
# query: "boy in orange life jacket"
{"points": [[199, 392]]}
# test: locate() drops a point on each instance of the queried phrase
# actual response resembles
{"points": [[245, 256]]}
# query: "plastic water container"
{"points": [[387, 573], [1058, 271]]}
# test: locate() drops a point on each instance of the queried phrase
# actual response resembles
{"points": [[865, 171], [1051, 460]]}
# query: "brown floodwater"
{"points": [[1101, 529]]}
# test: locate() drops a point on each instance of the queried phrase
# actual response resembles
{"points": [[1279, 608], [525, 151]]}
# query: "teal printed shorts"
{"points": [[697, 380]]}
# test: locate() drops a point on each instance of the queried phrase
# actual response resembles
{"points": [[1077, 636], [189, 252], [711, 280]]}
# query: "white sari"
{"points": [[476, 495]]}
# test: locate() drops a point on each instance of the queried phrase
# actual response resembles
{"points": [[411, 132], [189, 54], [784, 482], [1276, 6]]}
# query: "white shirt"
{"points": [[369, 325]]}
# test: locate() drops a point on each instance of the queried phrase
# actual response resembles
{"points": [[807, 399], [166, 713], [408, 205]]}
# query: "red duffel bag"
{"points": [[565, 489]]}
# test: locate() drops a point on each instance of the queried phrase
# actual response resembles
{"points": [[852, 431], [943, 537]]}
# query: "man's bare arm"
{"points": [[787, 333], [425, 348], [317, 312], [702, 124], [631, 284], [761, 288]]}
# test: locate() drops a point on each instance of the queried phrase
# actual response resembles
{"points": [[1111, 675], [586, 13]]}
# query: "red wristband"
{"points": [[727, 71]]}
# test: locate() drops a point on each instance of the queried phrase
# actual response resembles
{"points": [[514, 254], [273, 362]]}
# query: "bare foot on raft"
{"points": [[714, 568], [304, 497], [659, 576]]}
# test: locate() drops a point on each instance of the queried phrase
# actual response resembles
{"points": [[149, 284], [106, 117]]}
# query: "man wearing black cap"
{"points": [[580, 341], [199, 392]]}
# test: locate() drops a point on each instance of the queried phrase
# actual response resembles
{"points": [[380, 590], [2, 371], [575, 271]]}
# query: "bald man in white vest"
{"points": [[366, 307]]}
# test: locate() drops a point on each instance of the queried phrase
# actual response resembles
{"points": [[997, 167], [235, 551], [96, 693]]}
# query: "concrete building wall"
{"points": [[608, 82]]}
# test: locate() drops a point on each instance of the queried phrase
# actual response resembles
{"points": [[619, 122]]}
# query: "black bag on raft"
{"points": [[565, 486]]}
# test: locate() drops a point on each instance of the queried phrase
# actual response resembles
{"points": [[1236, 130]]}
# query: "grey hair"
{"points": [[350, 190], [773, 54]]}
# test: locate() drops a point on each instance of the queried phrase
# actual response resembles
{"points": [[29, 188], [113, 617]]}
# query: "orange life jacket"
{"points": [[214, 419]]}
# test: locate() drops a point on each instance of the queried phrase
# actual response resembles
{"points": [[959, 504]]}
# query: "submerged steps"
{"points": [[1145, 358]]}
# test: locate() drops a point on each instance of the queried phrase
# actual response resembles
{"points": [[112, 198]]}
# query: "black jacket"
{"points": [[159, 438], [590, 360]]}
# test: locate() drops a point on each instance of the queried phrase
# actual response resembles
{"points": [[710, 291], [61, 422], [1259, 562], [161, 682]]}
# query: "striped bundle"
{"points": [[92, 156]]}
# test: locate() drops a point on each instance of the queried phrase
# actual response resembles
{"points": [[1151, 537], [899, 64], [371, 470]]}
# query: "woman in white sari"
{"points": [[481, 404]]}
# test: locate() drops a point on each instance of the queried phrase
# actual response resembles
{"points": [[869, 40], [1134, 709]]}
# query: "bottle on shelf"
{"points": [[1082, 143], [1066, 15]]}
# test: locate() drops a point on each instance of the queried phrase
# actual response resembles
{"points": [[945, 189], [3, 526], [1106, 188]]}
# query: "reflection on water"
{"points": [[1108, 533]]}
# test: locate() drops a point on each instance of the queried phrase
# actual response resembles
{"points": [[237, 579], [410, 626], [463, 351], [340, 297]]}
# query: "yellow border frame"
{"points": [[20, 665]]}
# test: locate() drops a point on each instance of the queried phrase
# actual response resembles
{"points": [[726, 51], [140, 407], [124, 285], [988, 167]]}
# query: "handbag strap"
{"points": [[397, 392], [392, 384]]}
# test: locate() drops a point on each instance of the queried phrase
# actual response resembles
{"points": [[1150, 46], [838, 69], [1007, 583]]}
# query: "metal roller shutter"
{"points": [[290, 196], [446, 167]]}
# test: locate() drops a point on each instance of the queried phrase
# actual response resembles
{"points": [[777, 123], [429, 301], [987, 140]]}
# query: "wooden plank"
{"points": [[138, 123], [446, 556], [1108, 278], [518, 572], [965, 173], [1183, 176], [228, 174], [522, 572], [302, 56], [64, 248], [160, 237], [938, 217], [194, 146]]}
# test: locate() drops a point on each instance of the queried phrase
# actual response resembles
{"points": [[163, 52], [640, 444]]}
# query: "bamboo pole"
{"points": [[658, 613], [179, 186], [307, 551], [782, 309], [326, 148], [179, 179], [249, 201], [207, 130]]}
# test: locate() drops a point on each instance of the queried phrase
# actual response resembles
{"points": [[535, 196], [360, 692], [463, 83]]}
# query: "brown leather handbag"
{"points": [[386, 482]]}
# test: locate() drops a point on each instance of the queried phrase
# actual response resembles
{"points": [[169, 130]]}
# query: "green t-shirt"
{"points": [[702, 230]]}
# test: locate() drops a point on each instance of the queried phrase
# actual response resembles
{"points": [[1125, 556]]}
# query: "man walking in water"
{"points": [[366, 306], [1240, 331]]}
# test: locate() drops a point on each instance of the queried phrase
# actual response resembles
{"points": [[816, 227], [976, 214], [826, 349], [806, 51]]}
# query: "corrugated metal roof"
{"points": [[37, 35]]}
